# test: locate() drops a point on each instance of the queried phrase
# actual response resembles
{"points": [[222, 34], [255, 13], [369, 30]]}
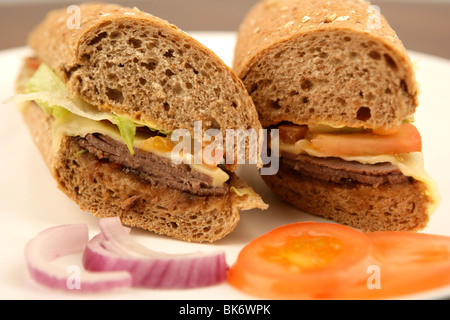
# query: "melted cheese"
{"points": [[410, 164], [74, 125]]}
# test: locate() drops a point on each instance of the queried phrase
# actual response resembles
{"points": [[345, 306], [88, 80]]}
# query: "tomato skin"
{"points": [[404, 139]]}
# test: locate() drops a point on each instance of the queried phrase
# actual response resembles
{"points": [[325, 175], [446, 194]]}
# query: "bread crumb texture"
{"points": [[324, 61]]}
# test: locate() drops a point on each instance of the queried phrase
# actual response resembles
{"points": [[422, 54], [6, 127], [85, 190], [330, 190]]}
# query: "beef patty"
{"points": [[341, 171], [149, 166]]}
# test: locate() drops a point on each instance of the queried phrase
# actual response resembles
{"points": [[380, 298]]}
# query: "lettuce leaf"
{"points": [[127, 129], [409, 119], [44, 79], [51, 94]]}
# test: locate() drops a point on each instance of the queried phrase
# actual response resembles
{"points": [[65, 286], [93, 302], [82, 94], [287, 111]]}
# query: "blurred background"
{"points": [[422, 25]]}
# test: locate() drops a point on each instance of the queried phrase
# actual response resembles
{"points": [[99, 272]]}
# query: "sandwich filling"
{"points": [[149, 166], [356, 155], [142, 149]]}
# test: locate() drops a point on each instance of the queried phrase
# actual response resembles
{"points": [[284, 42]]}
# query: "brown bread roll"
{"points": [[318, 68]]}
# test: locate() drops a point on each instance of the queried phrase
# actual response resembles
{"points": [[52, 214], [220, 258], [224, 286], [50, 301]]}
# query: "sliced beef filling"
{"points": [[341, 171], [150, 167]]}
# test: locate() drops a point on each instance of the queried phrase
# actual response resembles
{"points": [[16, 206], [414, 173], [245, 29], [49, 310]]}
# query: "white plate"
{"points": [[30, 201]]}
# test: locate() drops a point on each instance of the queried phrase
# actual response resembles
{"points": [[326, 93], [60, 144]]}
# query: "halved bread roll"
{"points": [[102, 102], [338, 83]]}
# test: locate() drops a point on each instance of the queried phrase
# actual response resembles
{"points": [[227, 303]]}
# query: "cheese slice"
{"points": [[74, 125], [410, 164]]}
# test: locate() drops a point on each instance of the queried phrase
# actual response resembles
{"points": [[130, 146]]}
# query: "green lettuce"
{"points": [[51, 94], [44, 79], [127, 129], [46, 88]]}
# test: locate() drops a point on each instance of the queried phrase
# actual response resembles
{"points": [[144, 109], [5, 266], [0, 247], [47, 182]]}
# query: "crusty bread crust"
{"points": [[132, 63], [398, 207], [105, 190], [333, 62]]}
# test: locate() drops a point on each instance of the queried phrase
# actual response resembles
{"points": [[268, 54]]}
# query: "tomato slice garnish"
{"points": [[409, 263], [404, 139], [308, 260], [302, 261]]}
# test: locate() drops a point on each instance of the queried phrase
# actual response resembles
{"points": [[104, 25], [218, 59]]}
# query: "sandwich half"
{"points": [[337, 82], [103, 102]]}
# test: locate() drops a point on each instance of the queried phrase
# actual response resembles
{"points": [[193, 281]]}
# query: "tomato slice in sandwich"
{"points": [[291, 133], [403, 139], [304, 260]]}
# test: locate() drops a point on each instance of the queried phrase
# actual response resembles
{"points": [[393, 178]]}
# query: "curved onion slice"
{"points": [[64, 240], [114, 249]]}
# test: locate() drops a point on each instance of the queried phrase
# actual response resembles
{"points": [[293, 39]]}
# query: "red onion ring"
{"points": [[113, 259], [63, 240], [114, 249]]}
